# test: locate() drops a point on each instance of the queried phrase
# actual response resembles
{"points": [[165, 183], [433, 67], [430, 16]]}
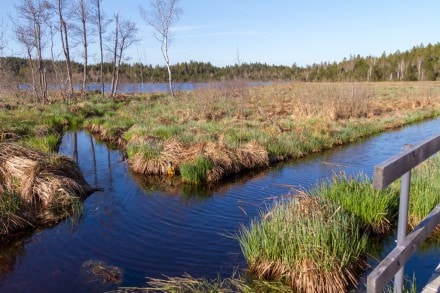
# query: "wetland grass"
{"points": [[424, 191], [285, 120], [306, 242], [195, 172], [375, 209]]}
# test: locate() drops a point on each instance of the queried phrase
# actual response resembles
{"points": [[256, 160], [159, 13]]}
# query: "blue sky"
{"points": [[275, 31]]}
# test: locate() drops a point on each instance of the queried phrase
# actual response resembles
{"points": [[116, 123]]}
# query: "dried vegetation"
{"points": [[37, 188]]}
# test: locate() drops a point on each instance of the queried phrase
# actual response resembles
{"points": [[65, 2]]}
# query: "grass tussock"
{"points": [[50, 185], [375, 209], [310, 244]]}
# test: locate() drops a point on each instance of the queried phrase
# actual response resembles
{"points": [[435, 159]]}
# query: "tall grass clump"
{"points": [[424, 190], [374, 208], [195, 171], [309, 243]]}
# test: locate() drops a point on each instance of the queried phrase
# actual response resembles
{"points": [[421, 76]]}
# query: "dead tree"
{"points": [[161, 16], [101, 23], [61, 9], [82, 17], [115, 52]]}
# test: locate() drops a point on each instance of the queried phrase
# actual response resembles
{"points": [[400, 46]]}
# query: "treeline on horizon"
{"points": [[419, 63]]}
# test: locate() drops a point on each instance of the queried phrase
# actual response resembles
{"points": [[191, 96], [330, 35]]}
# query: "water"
{"points": [[146, 87], [150, 229]]}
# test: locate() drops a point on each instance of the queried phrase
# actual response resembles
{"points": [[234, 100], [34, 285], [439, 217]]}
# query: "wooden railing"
{"points": [[384, 174]]}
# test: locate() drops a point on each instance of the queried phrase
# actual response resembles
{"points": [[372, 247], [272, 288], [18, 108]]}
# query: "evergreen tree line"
{"points": [[419, 63]]}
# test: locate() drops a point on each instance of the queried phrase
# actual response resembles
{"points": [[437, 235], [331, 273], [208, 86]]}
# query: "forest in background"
{"points": [[419, 63]]}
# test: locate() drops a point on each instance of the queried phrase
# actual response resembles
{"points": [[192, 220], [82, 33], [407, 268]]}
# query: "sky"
{"points": [[281, 32]]}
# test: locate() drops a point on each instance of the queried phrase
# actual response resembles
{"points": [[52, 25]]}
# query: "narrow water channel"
{"points": [[150, 230]]}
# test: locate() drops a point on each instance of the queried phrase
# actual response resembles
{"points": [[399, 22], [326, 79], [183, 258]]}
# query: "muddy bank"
{"points": [[37, 188]]}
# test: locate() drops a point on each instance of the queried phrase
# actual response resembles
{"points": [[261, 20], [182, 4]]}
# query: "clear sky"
{"points": [[275, 31]]}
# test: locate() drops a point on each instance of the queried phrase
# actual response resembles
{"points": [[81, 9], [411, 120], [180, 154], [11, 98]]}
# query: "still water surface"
{"points": [[150, 230]]}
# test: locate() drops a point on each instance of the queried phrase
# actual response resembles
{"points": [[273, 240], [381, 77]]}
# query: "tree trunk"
{"points": [[115, 54], [164, 49], [66, 51], [101, 46], [84, 36]]}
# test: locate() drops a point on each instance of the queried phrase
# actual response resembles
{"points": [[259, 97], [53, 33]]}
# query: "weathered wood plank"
{"points": [[388, 171], [396, 259]]}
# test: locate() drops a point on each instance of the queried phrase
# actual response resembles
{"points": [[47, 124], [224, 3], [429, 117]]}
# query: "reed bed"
{"points": [[306, 242]]}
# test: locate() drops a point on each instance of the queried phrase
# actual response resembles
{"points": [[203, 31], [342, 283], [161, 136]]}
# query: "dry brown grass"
{"points": [[225, 161], [49, 185], [38, 177]]}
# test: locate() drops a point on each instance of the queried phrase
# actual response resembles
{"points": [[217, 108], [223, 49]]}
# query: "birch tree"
{"points": [[33, 17], [82, 14], [161, 16], [101, 25], [61, 8], [125, 36]]}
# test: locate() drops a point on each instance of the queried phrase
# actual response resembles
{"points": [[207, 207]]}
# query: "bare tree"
{"points": [[30, 29], [24, 36], [125, 36], [161, 16], [115, 52], [61, 9], [81, 13], [101, 28]]}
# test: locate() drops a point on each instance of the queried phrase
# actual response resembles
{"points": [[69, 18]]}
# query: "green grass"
{"points": [[376, 209], [424, 190], [306, 243], [195, 172], [10, 203], [148, 150]]}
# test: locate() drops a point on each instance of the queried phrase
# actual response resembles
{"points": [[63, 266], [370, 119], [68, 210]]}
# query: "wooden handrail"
{"points": [[388, 171], [382, 274], [384, 174]]}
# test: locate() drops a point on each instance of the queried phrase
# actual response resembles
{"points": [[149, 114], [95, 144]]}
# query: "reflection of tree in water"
{"points": [[10, 252]]}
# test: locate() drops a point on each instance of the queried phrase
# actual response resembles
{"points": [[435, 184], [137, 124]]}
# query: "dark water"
{"points": [[150, 229]]}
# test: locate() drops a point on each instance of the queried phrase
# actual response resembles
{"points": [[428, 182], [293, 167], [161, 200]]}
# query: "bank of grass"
{"points": [[279, 121], [41, 126], [285, 120]]}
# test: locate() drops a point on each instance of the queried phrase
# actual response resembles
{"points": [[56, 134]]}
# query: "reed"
{"points": [[307, 242]]}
